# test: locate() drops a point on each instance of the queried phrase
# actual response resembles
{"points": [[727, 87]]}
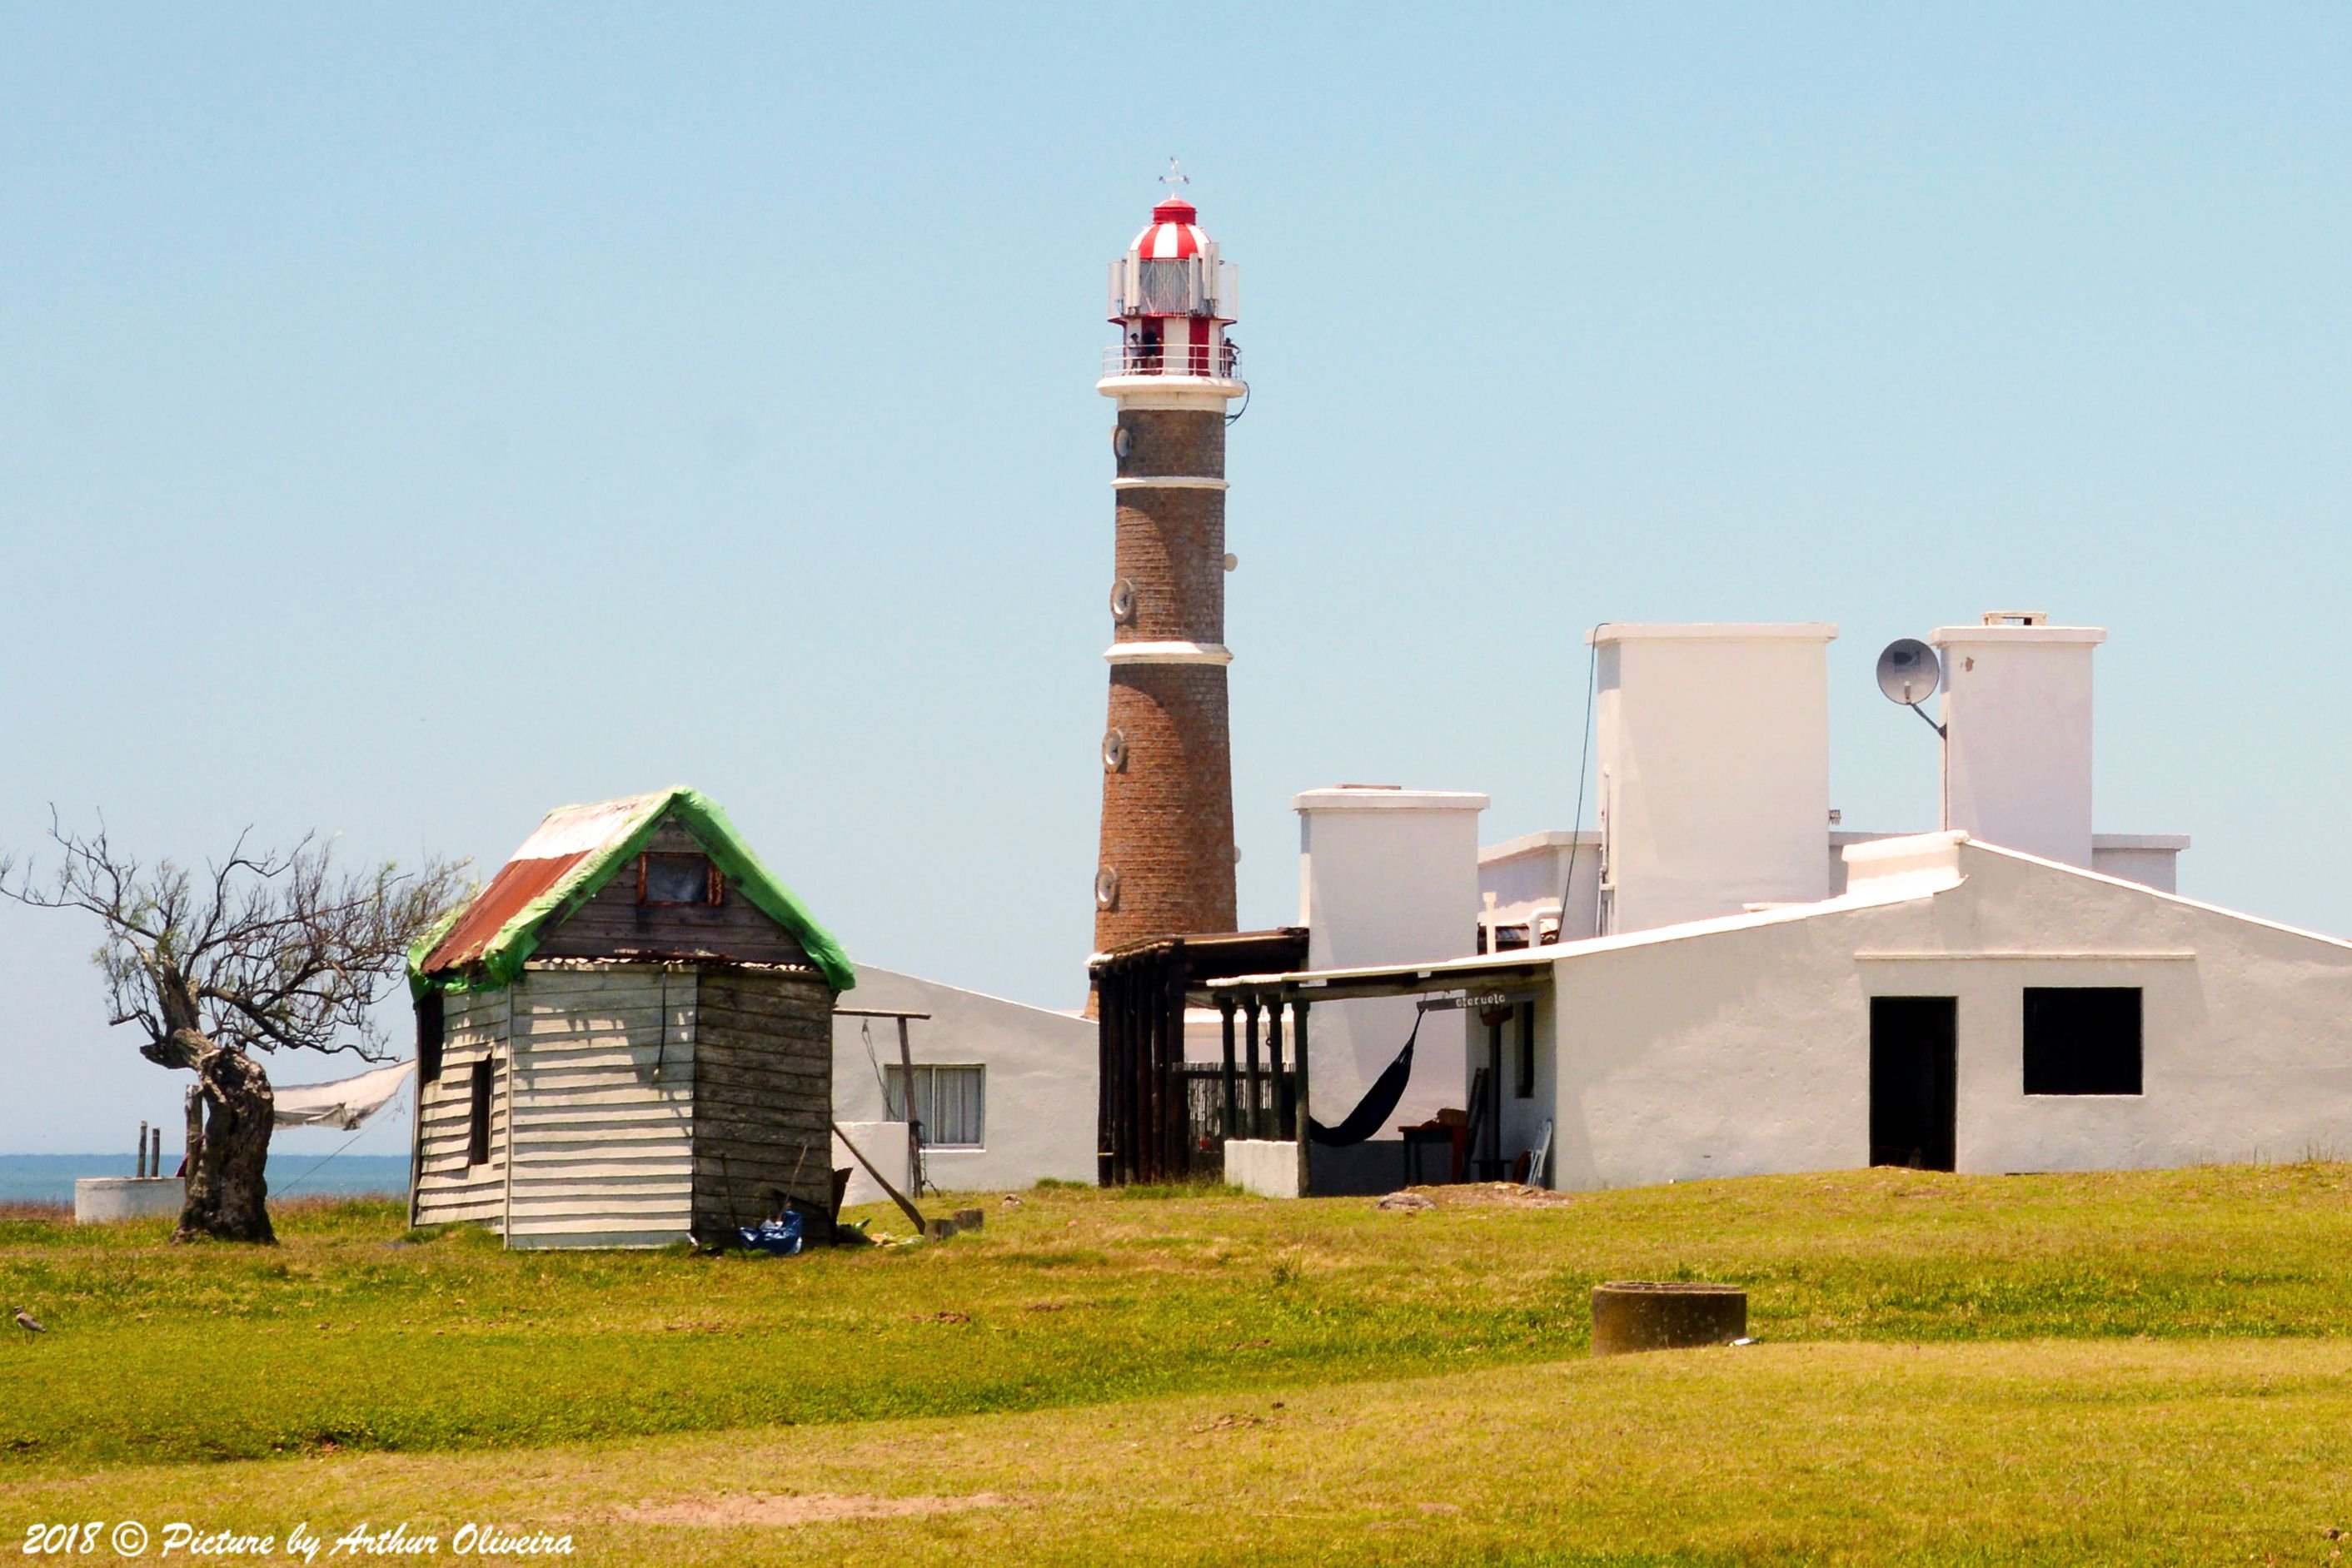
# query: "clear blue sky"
{"points": [[413, 418]]}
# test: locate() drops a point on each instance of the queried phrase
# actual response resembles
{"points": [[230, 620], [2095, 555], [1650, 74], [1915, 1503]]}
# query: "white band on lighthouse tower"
{"points": [[1168, 653]]}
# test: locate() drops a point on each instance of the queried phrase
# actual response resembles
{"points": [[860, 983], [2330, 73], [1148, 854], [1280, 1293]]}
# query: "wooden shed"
{"points": [[625, 1038]]}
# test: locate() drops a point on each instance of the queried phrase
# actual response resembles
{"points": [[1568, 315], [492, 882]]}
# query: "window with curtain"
{"points": [[952, 1104]]}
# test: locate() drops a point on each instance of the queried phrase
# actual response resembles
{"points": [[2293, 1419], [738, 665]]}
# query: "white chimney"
{"points": [[2017, 742], [1713, 751], [1386, 876]]}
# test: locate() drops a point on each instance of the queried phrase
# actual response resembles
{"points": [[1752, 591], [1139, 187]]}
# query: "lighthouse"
{"points": [[1166, 866]]}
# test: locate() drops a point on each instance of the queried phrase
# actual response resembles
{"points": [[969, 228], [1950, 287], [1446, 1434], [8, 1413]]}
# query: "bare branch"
{"points": [[268, 951]]}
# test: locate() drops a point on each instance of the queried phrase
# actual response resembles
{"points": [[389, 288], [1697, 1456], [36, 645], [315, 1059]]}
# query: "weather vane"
{"points": [[1175, 176]]}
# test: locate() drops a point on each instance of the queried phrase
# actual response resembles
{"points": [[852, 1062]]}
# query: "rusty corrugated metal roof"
{"points": [[573, 851], [511, 891]]}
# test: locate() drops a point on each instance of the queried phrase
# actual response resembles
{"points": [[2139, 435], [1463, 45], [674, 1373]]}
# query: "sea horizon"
{"points": [[49, 1178]]}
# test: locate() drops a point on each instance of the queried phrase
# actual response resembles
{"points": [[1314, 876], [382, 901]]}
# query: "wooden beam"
{"points": [[914, 1126]]}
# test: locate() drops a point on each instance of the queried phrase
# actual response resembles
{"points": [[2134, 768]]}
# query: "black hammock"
{"points": [[1380, 1102]]}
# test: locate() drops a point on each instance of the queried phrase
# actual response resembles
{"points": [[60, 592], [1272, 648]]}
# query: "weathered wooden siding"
{"points": [[615, 925], [763, 1066], [606, 1061], [447, 1188]]}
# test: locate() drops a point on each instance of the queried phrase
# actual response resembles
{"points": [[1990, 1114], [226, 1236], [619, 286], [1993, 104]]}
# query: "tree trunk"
{"points": [[227, 1191]]}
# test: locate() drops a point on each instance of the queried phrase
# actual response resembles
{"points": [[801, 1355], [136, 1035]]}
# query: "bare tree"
{"points": [[261, 953]]}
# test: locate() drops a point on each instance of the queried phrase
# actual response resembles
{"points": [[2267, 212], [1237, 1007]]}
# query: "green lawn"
{"points": [[2137, 1367]]}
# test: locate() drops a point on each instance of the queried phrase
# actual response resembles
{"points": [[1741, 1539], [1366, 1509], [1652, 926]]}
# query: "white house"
{"points": [[1960, 1007], [1004, 1092], [1744, 987]]}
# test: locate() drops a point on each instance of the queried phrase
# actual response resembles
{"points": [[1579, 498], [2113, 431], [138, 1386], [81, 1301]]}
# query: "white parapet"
{"points": [[1386, 876], [1713, 746], [2017, 722], [100, 1200]]}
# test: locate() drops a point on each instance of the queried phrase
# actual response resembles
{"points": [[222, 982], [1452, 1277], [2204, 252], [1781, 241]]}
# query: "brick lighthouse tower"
{"points": [[1167, 861]]}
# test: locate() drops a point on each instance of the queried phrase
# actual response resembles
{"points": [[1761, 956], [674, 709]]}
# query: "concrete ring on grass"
{"points": [[1666, 1314]]}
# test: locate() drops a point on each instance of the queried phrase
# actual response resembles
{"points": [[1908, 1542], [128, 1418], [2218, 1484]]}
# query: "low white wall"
{"points": [[99, 1200], [1040, 1087], [1267, 1166], [884, 1143]]}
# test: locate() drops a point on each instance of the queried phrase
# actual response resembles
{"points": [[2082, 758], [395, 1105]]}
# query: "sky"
{"points": [[415, 418]]}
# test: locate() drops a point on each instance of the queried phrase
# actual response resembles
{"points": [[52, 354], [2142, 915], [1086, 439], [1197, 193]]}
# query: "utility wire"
{"points": [[314, 1170], [1583, 761]]}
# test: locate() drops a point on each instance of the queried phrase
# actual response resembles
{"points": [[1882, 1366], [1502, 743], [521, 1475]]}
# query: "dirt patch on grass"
{"points": [[783, 1511], [1491, 1195]]}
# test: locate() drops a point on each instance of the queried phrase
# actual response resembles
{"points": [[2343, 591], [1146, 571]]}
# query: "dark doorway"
{"points": [[1914, 1074]]}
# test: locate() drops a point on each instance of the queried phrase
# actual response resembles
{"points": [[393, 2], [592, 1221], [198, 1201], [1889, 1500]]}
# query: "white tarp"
{"points": [[344, 1103]]}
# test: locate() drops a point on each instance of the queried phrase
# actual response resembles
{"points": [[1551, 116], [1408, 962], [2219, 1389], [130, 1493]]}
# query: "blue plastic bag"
{"points": [[781, 1238]]}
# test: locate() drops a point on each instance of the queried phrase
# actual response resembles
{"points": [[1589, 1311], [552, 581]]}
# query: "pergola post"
{"points": [[1232, 1119], [1304, 1118], [1175, 1088], [1257, 1120], [1282, 1096]]}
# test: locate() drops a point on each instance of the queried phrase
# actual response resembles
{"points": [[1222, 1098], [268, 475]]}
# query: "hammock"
{"points": [[1380, 1102]]}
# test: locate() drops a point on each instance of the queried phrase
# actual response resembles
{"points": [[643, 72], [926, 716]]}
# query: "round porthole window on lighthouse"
{"points": [[1122, 600], [1122, 441], [1115, 750], [1106, 888]]}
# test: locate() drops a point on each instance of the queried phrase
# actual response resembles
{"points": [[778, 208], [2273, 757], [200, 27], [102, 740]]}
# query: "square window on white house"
{"points": [[950, 1103], [2083, 1040]]}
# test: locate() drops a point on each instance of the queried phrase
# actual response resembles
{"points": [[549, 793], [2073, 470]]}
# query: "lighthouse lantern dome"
{"points": [[1173, 297], [1172, 268]]}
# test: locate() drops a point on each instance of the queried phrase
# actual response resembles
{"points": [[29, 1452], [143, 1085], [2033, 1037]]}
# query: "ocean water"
{"points": [[49, 1178]]}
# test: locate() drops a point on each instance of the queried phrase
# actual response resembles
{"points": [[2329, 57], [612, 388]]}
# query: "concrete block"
{"points": [[99, 1200], [1267, 1166], [1651, 1314]]}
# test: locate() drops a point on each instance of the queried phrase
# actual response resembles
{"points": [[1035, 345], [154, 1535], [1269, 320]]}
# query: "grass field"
{"points": [[2143, 1367]]}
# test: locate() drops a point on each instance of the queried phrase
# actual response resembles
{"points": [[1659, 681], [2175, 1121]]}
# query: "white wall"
{"points": [[1526, 874], [2017, 747], [1714, 768], [1386, 876], [1743, 1050], [1041, 1098]]}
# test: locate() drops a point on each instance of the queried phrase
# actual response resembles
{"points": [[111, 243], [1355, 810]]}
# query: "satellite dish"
{"points": [[1907, 672]]}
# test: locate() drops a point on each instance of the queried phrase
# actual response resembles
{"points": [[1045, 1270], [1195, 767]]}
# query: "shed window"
{"points": [[678, 879], [478, 1119], [432, 1027], [2081, 1039], [950, 1103]]}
